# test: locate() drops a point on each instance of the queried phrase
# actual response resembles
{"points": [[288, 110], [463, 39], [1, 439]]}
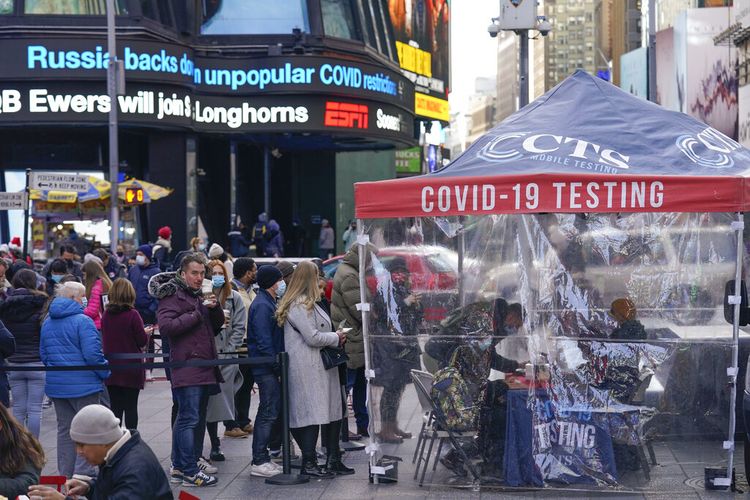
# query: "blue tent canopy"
{"points": [[587, 125]]}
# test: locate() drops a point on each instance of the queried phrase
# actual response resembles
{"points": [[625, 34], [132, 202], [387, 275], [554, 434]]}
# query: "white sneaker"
{"points": [[175, 475], [205, 466], [267, 469]]}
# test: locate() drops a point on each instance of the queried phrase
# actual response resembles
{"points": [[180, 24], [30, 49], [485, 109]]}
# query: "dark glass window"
{"points": [[71, 7], [254, 17], [338, 19], [365, 19], [165, 14], [148, 10]]}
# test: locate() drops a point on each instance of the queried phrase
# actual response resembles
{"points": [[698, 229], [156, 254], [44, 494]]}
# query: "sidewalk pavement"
{"points": [[679, 474]]}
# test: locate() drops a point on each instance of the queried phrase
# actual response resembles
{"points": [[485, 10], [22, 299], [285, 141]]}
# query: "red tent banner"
{"points": [[428, 196]]}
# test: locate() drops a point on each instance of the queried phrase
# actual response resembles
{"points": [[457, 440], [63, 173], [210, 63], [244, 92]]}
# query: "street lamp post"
{"points": [[112, 90]]}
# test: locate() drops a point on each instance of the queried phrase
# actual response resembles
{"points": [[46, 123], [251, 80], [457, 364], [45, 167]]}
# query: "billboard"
{"points": [[744, 116], [421, 29], [666, 76], [711, 79], [634, 72], [694, 75]]}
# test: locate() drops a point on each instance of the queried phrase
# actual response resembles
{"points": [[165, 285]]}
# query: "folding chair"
{"points": [[426, 380], [638, 400], [437, 430], [57, 481]]}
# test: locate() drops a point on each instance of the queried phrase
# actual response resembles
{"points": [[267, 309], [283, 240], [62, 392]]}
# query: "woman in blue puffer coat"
{"points": [[69, 338]]}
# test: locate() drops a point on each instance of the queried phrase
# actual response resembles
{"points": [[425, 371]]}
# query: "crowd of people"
{"points": [[103, 310]]}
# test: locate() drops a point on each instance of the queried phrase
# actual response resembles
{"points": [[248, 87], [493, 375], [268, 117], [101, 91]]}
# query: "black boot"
{"points": [[336, 466], [311, 468]]}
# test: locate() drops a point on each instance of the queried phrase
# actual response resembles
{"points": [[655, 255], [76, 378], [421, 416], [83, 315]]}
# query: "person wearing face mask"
{"points": [[221, 406], [139, 276], [55, 272], [69, 338], [265, 338], [397, 315], [197, 245], [245, 272], [120, 255]]}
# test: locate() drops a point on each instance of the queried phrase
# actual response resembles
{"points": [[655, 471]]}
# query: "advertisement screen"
{"points": [[421, 29], [666, 75], [634, 72], [711, 79]]}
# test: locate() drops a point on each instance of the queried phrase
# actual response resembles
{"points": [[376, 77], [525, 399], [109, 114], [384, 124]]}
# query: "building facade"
{"points": [[241, 107]]}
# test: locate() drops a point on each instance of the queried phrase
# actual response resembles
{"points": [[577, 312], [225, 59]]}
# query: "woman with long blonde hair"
{"points": [[314, 392]]}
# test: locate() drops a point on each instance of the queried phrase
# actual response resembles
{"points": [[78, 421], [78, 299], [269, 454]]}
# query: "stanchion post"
{"points": [[26, 215], [285, 478]]}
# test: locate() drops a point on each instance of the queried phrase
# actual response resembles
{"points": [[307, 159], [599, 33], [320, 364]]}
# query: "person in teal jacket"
{"points": [[69, 338]]}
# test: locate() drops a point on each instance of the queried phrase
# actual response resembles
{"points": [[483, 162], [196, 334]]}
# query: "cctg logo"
{"points": [[709, 148]]}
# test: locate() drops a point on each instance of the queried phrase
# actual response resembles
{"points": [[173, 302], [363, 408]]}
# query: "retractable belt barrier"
{"points": [[262, 361], [281, 360]]}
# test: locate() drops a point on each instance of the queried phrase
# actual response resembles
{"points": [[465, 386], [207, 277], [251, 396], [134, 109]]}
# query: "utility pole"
{"points": [[523, 68], [114, 87], [520, 18]]}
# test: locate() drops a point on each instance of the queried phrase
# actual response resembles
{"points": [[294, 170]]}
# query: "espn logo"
{"points": [[345, 115]]}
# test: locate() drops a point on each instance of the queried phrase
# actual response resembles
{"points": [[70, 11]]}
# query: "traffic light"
{"points": [[133, 195]]}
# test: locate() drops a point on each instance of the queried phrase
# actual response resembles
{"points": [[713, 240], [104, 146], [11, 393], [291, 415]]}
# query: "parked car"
{"points": [[433, 273]]}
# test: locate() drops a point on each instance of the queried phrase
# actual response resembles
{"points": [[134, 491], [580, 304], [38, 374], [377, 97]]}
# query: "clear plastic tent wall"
{"points": [[573, 351]]}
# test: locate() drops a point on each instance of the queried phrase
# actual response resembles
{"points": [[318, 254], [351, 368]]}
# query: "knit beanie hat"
{"points": [[268, 276], [215, 251], [285, 267], [147, 250], [165, 232], [95, 424]]}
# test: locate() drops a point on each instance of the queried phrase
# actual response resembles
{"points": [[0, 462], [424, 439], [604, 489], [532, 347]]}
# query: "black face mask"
{"points": [[120, 254]]}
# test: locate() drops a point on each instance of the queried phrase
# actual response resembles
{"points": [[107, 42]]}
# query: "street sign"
{"points": [[13, 201], [59, 182]]}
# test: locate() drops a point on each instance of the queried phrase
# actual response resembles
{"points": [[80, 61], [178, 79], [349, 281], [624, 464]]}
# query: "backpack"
{"points": [[451, 394]]}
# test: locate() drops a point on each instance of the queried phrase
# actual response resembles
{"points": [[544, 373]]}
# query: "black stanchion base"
{"points": [[287, 479], [352, 446]]}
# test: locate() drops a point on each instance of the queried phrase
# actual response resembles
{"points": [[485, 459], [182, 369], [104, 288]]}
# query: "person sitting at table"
{"points": [[479, 360], [628, 328]]}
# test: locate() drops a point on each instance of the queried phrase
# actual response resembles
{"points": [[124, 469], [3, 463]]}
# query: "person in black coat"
{"points": [[396, 352], [127, 466], [7, 348]]}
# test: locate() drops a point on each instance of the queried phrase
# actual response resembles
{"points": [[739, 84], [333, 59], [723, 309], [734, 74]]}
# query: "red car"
{"points": [[433, 272]]}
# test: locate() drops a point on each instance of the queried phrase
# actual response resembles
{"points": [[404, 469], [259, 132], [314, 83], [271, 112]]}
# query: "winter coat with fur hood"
{"points": [[190, 327]]}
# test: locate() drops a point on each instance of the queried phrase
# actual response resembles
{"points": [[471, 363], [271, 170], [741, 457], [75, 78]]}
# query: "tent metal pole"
{"points": [[461, 248], [734, 370], [362, 241]]}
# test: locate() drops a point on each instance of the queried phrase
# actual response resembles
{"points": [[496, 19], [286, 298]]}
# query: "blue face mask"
{"points": [[218, 281], [56, 277], [84, 302], [281, 290]]}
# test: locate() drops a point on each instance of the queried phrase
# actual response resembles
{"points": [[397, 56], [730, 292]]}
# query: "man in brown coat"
{"points": [[344, 300]]}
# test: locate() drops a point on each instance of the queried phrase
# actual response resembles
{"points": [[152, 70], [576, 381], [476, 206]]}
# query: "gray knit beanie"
{"points": [[95, 424]]}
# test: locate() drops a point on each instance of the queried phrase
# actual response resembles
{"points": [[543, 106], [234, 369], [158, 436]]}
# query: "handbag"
{"points": [[331, 356]]}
